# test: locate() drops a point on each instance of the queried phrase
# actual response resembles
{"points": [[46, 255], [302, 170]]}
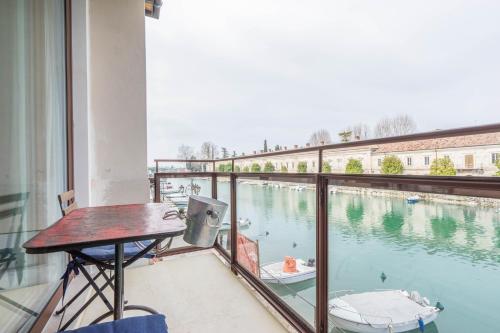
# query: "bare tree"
{"points": [[399, 125], [360, 131], [319, 137], [184, 152], [208, 150], [404, 124]]}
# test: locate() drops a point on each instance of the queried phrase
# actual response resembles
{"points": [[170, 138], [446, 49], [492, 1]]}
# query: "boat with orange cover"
{"points": [[288, 271]]}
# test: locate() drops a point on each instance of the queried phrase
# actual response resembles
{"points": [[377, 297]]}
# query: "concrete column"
{"points": [[116, 98]]}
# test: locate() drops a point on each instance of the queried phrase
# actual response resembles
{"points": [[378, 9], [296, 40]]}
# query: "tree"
{"points": [[221, 168], [302, 167], [319, 137], [255, 167], [354, 166], [326, 167], [265, 146], [345, 136], [184, 152], [443, 167], [225, 154], [360, 131], [237, 168], [392, 165], [246, 168], [269, 167], [284, 168], [399, 125], [208, 150]]}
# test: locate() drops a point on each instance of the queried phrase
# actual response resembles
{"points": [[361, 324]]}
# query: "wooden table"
{"points": [[108, 225]]}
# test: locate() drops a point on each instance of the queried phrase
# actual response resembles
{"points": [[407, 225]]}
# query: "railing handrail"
{"points": [[471, 130]]}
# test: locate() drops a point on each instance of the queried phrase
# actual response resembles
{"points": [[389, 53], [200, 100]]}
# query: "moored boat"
{"points": [[275, 272], [413, 199], [386, 311]]}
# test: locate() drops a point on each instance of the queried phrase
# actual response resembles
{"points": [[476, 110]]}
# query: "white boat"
{"points": [[387, 311], [273, 273], [299, 188], [413, 199], [242, 224]]}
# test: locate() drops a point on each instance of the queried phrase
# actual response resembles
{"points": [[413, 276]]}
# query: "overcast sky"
{"points": [[238, 72]]}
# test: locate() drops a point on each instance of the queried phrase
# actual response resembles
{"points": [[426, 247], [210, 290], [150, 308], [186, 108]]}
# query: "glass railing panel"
{"points": [[444, 247], [224, 194], [277, 238]]}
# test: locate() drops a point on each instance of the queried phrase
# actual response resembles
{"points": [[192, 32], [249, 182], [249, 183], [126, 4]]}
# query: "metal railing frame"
{"points": [[462, 186]]}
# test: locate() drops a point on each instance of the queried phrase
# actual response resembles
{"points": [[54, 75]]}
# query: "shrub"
{"points": [[497, 163], [284, 168], [391, 165], [443, 167], [246, 169], [269, 167], [302, 167], [354, 166], [229, 167], [221, 168], [237, 168], [255, 167], [326, 167]]}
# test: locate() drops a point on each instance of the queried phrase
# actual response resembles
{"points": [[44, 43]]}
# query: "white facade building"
{"points": [[472, 155]]}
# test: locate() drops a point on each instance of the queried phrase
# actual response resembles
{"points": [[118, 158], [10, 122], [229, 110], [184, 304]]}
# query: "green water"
{"points": [[447, 252]]}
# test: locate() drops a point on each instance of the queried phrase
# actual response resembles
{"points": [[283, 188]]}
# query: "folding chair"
{"points": [[103, 253], [150, 324]]}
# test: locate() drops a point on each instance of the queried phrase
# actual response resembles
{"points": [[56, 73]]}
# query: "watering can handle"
{"points": [[215, 216]]}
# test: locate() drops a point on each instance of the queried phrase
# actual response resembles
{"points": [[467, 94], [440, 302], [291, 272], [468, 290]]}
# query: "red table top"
{"points": [[93, 226]]}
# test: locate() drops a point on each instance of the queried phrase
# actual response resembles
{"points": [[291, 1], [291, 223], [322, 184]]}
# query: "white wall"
{"points": [[116, 141]]}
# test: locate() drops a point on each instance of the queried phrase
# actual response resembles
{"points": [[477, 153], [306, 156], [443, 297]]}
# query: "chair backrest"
{"points": [[67, 202]]}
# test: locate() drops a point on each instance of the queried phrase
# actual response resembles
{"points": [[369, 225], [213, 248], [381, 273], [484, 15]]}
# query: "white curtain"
{"points": [[32, 146]]}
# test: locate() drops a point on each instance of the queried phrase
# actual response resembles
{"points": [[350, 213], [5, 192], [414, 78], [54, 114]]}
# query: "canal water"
{"points": [[446, 252]]}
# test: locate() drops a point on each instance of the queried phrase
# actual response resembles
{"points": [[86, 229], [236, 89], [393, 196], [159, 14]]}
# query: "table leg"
{"points": [[118, 302]]}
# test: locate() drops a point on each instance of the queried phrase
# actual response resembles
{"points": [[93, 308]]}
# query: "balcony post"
{"points": [[214, 185], [157, 188], [320, 160], [234, 230], [321, 254]]}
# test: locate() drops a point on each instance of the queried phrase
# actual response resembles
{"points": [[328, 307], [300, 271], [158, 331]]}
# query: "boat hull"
{"points": [[366, 328]]}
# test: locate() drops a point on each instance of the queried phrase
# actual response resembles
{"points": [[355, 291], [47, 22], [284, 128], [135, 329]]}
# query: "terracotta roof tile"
{"points": [[440, 143]]}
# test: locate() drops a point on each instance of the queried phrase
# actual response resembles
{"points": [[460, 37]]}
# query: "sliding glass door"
{"points": [[32, 152]]}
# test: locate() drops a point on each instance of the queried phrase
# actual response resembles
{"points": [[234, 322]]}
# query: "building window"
{"points": [[408, 161], [427, 160], [379, 162], [469, 161], [495, 157]]}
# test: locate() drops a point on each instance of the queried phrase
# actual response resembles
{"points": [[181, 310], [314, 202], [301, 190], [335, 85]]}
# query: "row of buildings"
{"points": [[472, 155]]}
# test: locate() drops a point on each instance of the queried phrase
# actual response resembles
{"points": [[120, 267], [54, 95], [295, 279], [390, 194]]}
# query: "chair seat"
{"points": [[150, 324], [107, 252]]}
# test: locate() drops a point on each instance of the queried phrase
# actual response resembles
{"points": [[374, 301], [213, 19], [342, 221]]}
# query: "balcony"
{"points": [[196, 291]]}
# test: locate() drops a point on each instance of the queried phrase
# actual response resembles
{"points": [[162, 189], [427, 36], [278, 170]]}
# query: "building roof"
{"points": [[441, 143]]}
